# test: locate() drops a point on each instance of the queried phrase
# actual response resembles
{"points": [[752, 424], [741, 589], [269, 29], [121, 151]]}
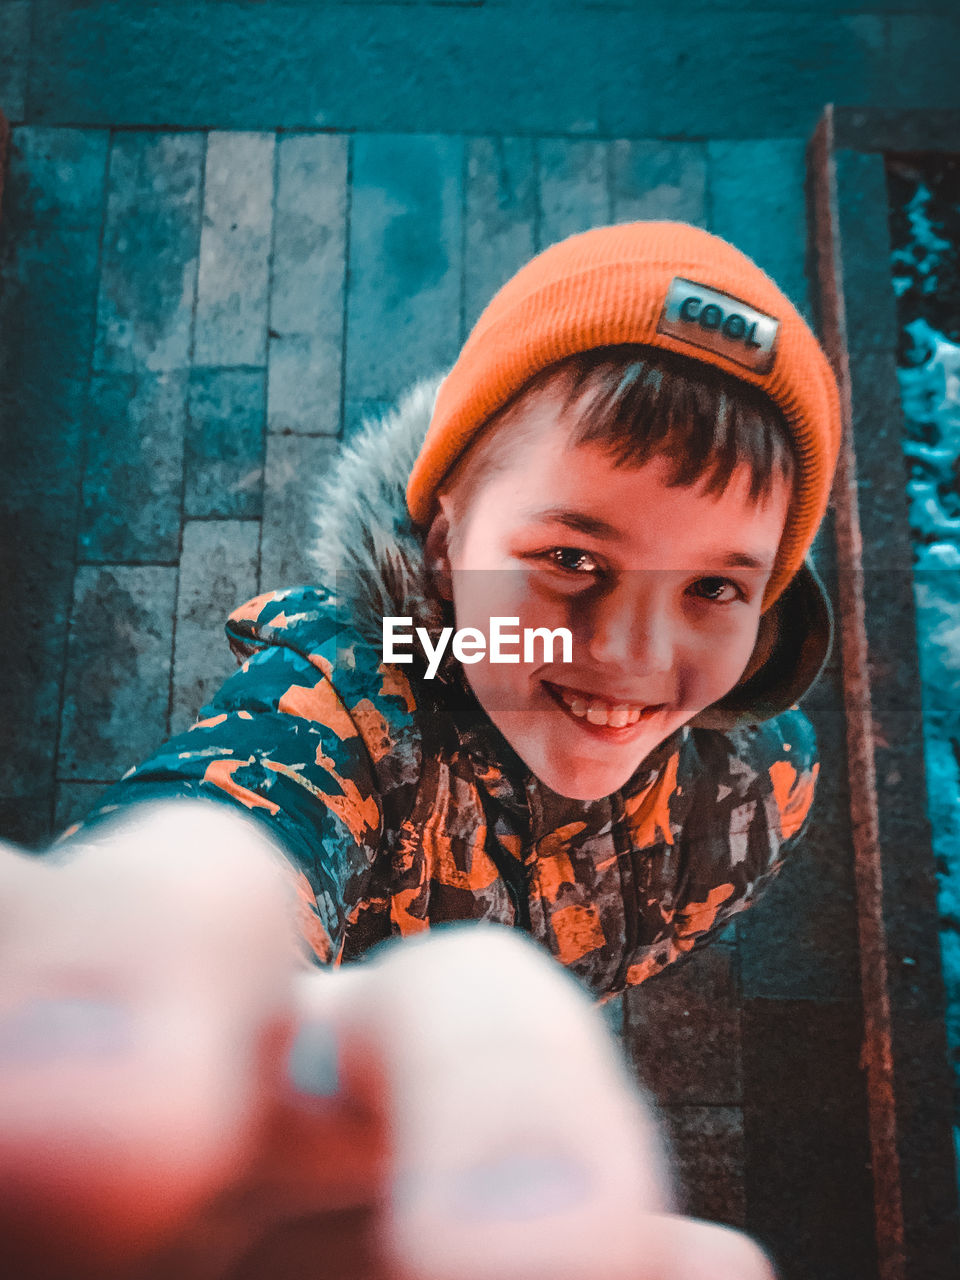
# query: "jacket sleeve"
{"points": [[284, 742], [742, 808], [751, 810]]}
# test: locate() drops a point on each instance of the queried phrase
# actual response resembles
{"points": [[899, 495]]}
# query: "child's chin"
{"points": [[579, 781]]}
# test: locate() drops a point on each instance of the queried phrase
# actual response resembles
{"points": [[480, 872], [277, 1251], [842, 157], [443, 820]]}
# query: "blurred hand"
{"points": [[180, 1097]]}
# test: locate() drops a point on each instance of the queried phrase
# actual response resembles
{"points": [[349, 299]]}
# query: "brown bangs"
{"points": [[637, 404]]}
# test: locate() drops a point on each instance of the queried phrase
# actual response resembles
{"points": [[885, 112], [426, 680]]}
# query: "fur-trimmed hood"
{"points": [[368, 549]]}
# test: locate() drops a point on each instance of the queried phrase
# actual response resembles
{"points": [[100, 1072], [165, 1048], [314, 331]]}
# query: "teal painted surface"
{"points": [[53, 211], [501, 69]]}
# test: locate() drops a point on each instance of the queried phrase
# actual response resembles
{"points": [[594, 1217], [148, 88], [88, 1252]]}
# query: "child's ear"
{"points": [[437, 552]]}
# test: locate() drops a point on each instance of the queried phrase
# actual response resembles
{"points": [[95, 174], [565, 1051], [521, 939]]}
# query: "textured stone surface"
{"points": [[224, 445], [117, 681], [501, 217], [294, 467], [307, 285], [808, 1184], [134, 472], [14, 54], [800, 941], [403, 299], [470, 69], [148, 271], [862, 208], [56, 178], [707, 1147], [218, 571], [574, 187], [658, 180], [52, 212], [683, 1031], [757, 201], [233, 279]]}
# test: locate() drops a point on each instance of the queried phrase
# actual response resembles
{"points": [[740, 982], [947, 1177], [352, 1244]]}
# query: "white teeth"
{"points": [[599, 712]]}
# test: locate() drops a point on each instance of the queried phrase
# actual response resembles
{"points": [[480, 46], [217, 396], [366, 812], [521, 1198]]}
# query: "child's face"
{"points": [[660, 587]]}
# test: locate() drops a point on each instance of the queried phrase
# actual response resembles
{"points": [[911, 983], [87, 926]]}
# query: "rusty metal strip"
{"points": [[877, 1055]]}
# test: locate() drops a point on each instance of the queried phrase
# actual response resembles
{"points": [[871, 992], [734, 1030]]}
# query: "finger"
{"points": [[142, 976], [679, 1248], [520, 1146]]}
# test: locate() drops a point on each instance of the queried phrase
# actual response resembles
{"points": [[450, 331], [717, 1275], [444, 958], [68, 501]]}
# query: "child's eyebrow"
{"points": [[579, 521], [744, 560]]}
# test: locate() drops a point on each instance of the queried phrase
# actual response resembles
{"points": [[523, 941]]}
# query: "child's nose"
{"points": [[631, 629]]}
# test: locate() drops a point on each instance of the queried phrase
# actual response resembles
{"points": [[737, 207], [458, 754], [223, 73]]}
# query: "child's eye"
{"points": [[717, 590], [573, 560]]}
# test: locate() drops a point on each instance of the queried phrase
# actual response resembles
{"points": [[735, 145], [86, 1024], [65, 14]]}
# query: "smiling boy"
{"points": [[636, 444]]}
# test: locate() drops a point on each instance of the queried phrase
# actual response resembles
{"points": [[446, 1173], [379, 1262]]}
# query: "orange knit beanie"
{"points": [[661, 284]]}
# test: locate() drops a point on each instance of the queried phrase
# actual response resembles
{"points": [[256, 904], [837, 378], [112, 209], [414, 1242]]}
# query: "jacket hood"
{"points": [[369, 551]]}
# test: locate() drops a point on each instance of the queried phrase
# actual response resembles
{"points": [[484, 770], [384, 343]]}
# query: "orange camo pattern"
{"points": [[698, 918], [318, 702], [578, 931], [220, 774], [394, 684], [360, 814], [373, 728], [794, 795], [648, 812], [553, 868]]}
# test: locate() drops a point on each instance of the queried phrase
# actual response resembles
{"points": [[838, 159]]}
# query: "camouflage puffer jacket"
{"points": [[400, 805]]}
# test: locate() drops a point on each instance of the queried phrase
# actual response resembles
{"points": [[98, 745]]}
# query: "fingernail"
{"points": [[64, 1027], [312, 1065]]}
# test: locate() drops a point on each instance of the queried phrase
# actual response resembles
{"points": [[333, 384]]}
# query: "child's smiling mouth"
{"points": [[604, 716]]}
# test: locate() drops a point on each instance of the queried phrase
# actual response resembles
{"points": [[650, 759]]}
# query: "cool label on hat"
{"points": [[704, 317]]}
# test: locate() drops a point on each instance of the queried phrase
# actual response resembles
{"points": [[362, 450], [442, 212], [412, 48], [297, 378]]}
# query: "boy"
{"points": [[636, 444]]}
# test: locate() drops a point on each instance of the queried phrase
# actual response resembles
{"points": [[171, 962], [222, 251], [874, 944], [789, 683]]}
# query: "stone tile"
{"points": [[404, 292], [134, 473], [308, 284], [150, 247], [56, 176], [862, 207], [807, 1172], [117, 683], [224, 446], [501, 217], [707, 1147], [295, 465], [800, 941], [49, 250], [682, 1030], [574, 187], [757, 201], [233, 279], [74, 801], [658, 180], [434, 69], [14, 57], [218, 571]]}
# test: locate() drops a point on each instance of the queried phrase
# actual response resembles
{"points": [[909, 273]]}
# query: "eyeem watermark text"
{"points": [[469, 644]]}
